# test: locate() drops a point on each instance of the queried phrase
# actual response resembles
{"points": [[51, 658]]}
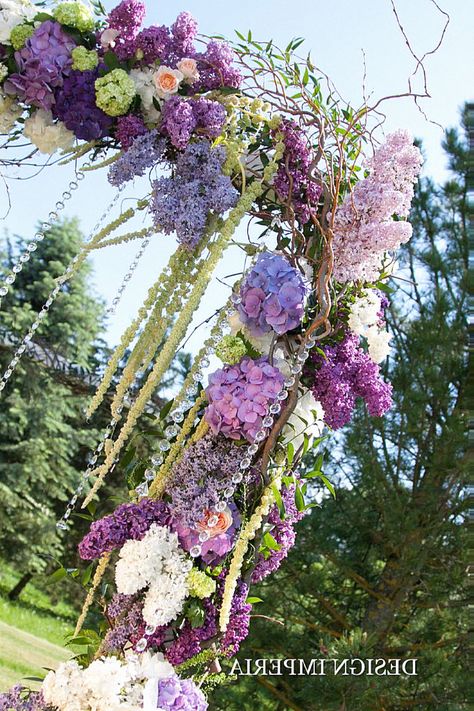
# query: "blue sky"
{"points": [[336, 34]]}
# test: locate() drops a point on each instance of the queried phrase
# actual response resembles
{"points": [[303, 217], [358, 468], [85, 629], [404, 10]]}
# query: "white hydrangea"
{"points": [[306, 419], [64, 688], [146, 89], [10, 111], [13, 13], [159, 562], [364, 320], [47, 135], [105, 680]]}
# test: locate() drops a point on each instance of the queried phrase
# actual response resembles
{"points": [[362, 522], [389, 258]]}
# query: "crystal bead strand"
{"points": [[49, 302], [39, 236], [116, 300]]}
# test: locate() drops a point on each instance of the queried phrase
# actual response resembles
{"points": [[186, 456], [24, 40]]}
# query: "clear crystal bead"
{"points": [[302, 356], [195, 551], [171, 431], [141, 645], [156, 460], [252, 449], [3, 291], [197, 377], [295, 369], [17, 268], [191, 390], [260, 435], [149, 629], [267, 421], [282, 395], [150, 474], [142, 489], [212, 521], [290, 381], [8, 373], [62, 525], [164, 445], [236, 299], [245, 463], [237, 477], [73, 185], [24, 258], [275, 408], [229, 492], [177, 416], [32, 247], [10, 279], [204, 536], [205, 362], [220, 506]]}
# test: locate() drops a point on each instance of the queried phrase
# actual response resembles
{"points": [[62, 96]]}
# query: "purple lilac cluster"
{"points": [[273, 295], [364, 228], [20, 699], [128, 521], [199, 479], [181, 118], [43, 63], [240, 396], [216, 67], [175, 694], [182, 203], [75, 106], [239, 622], [283, 532], [128, 128], [145, 152], [126, 19], [125, 613], [343, 374], [292, 181]]}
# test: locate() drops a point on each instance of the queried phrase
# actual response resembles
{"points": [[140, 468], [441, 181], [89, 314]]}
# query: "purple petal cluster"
{"points": [[154, 43], [43, 63], [75, 106], [128, 128], [200, 477], [214, 550], [180, 695], [128, 521], [181, 118], [239, 622], [240, 396], [127, 18], [364, 228], [216, 68], [20, 699], [345, 373], [145, 151], [183, 202], [282, 531], [273, 295], [183, 31], [292, 181], [125, 613]]}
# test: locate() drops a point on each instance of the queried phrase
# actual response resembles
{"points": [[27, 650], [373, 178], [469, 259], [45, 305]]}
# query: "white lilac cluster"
{"points": [[13, 13], [364, 319], [108, 684], [156, 562], [48, 136], [305, 422]]}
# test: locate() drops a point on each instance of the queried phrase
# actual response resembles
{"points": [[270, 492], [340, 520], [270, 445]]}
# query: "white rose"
{"points": [[46, 135], [306, 419], [189, 70], [13, 13], [146, 90]]}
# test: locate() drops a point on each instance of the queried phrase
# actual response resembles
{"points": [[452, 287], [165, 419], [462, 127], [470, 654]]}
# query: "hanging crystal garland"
{"points": [[51, 298], [128, 276]]}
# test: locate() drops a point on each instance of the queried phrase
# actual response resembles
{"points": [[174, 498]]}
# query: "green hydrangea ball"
{"points": [[231, 349], [74, 14], [200, 584], [20, 34], [114, 92], [83, 59]]}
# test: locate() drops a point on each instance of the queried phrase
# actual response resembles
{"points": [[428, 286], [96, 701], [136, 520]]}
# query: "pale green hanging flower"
{"points": [[20, 34], [75, 14], [83, 59], [115, 92]]}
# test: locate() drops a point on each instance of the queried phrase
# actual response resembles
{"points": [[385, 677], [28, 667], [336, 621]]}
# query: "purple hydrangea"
{"points": [[128, 128], [128, 521], [240, 397], [43, 63], [345, 373], [145, 151], [75, 106], [292, 181], [273, 295], [181, 118], [283, 532], [180, 694], [182, 203], [216, 67], [20, 699]]}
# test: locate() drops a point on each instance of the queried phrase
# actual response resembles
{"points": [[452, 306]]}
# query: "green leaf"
{"points": [[290, 453], [86, 575], [299, 499], [55, 577], [278, 501], [328, 485], [269, 542], [253, 600]]}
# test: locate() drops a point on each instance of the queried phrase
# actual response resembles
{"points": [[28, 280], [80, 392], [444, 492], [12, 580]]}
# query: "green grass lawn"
{"points": [[32, 631]]}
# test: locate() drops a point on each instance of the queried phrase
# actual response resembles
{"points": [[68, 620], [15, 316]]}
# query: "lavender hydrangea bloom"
{"points": [[43, 63], [181, 117], [128, 521], [180, 695], [182, 203], [273, 295], [146, 151], [128, 128], [345, 373], [240, 396], [75, 106]]}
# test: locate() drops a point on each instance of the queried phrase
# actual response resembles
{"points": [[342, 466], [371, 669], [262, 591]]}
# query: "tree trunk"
{"points": [[14, 593]]}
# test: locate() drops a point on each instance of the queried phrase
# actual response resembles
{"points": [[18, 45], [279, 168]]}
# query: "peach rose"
{"points": [[224, 522], [188, 68], [167, 81]]}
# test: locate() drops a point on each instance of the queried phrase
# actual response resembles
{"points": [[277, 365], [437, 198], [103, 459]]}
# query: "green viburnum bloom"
{"points": [[20, 34], [74, 14], [114, 92], [200, 584], [83, 59], [231, 349]]}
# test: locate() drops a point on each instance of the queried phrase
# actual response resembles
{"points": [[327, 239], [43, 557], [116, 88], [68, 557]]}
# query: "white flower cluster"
{"points": [[306, 419], [160, 564], [47, 135], [13, 13], [10, 111], [364, 320], [146, 89], [107, 684]]}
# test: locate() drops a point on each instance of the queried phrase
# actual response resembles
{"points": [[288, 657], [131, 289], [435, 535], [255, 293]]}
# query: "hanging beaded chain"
{"points": [[116, 300], [32, 246], [51, 298]]}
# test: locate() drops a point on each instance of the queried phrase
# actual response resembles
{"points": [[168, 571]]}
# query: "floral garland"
{"points": [[301, 337]]}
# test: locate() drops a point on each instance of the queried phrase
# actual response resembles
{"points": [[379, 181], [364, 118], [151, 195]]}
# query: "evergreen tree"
{"points": [[379, 572]]}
